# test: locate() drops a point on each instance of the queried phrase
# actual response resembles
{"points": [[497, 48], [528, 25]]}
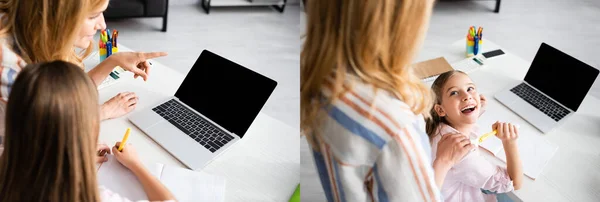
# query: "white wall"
{"points": [[193, 2]]}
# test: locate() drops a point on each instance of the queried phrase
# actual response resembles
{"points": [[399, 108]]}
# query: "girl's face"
{"points": [[460, 101], [93, 22]]}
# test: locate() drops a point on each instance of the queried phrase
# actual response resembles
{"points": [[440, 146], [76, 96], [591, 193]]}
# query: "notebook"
{"points": [[429, 70], [534, 150], [186, 185]]}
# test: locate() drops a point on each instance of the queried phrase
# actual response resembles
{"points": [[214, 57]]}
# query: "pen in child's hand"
{"points": [[485, 136], [124, 141]]}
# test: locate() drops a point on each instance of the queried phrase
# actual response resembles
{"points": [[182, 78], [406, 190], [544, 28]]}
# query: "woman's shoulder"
{"points": [[370, 112], [384, 103]]}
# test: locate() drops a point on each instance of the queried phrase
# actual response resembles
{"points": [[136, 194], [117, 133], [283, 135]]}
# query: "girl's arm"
{"points": [[450, 149], [513, 162], [508, 133], [440, 169], [154, 189]]}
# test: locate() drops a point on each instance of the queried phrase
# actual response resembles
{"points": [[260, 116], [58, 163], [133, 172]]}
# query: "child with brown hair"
{"points": [[456, 110], [50, 147]]}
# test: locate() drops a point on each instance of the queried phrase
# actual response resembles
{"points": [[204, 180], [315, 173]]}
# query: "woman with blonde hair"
{"points": [[52, 127], [361, 106], [34, 31]]}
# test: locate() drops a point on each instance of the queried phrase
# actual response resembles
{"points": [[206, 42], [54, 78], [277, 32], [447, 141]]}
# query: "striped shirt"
{"points": [[10, 66], [372, 147]]}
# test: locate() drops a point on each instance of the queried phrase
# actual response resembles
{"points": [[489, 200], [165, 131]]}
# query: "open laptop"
{"points": [[212, 109], [553, 89]]}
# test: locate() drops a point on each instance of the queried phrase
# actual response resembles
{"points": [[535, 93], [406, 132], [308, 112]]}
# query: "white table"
{"points": [[573, 174], [263, 166]]}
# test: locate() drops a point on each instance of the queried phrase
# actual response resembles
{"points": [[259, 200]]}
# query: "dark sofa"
{"points": [[118, 9]]}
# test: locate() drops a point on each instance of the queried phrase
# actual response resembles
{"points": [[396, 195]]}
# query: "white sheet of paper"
{"points": [[492, 144], [186, 185], [535, 152], [119, 179], [189, 185]]}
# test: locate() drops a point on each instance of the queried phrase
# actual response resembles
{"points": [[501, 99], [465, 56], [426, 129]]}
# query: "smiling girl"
{"points": [[456, 110]]}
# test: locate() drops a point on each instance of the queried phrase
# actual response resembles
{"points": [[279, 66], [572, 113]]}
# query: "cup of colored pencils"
{"points": [[108, 43]]}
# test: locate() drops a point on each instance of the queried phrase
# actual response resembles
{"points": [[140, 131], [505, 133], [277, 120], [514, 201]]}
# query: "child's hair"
{"points": [[434, 120], [52, 123]]}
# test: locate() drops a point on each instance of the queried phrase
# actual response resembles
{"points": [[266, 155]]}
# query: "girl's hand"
{"points": [[103, 149], [135, 62], [506, 132], [118, 105], [128, 157], [483, 102]]}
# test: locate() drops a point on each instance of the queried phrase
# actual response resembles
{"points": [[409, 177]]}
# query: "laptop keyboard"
{"points": [[192, 124], [540, 101]]}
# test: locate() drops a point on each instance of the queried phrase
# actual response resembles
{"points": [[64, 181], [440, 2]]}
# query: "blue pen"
{"points": [[476, 46], [108, 48]]}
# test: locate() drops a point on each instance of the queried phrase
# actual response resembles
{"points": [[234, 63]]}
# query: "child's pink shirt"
{"points": [[465, 180]]}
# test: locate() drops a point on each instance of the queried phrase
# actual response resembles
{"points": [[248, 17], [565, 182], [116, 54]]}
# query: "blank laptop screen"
{"points": [[560, 76], [225, 92]]}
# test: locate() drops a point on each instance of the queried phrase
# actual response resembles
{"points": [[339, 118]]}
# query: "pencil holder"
{"points": [[474, 41], [473, 49], [470, 46], [107, 44], [104, 54]]}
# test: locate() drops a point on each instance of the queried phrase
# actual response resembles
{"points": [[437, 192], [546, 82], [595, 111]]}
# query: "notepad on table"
{"points": [[186, 185], [429, 70], [534, 151]]}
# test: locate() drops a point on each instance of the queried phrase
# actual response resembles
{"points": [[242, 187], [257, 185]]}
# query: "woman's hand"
{"points": [[118, 105], [452, 148], [135, 62], [506, 132], [103, 149], [128, 157]]}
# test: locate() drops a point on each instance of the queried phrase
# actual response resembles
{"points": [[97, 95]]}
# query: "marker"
{"points": [[476, 45], [485, 136], [124, 141]]}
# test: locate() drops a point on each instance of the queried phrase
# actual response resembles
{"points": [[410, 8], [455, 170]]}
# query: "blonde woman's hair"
{"points": [[46, 30], [52, 123], [372, 40]]}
